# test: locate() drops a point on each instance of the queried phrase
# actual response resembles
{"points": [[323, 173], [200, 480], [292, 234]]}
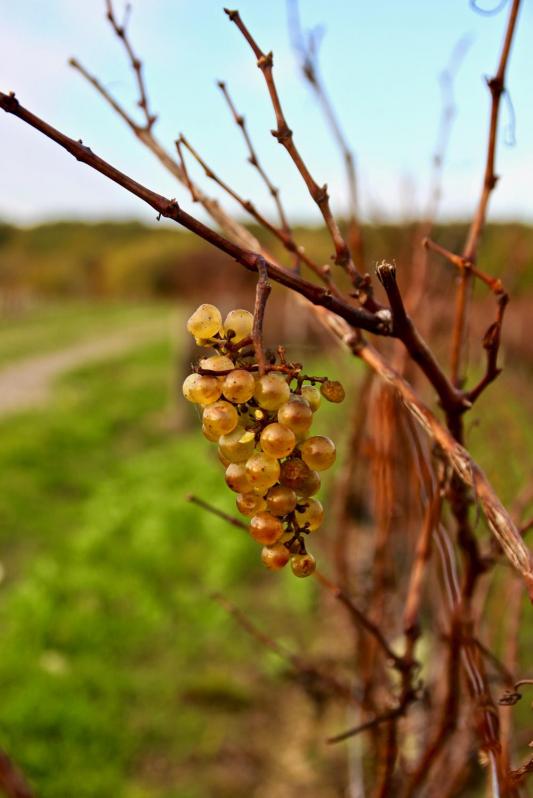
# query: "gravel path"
{"points": [[28, 382]]}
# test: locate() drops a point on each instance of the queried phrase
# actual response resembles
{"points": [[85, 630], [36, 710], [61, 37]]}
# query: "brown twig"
{"points": [[365, 622], [146, 136], [236, 522], [253, 159], [404, 329], [370, 724], [170, 209], [418, 282], [499, 521], [491, 345], [319, 194], [496, 86], [462, 263], [136, 65], [249, 207], [307, 52], [262, 292]]}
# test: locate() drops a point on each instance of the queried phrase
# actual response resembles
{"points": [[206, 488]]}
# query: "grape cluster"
{"points": [[261, 424]]}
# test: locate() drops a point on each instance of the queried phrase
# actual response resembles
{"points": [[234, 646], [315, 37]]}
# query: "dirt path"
{"points": [[28, 382]]}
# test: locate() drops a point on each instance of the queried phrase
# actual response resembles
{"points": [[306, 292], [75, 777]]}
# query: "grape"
{"points": [[250, 503], [271, 391], [201, 389], [281, 500], [303, 564], [296, 415], [310, 485], [312, 515], [237, 445], [224, 460], [205, 322], [211, 436], [265, 528], [241, 322], [277, 440], [318, 452], [294, 473], [220, 417], [262, 470], [239, 386], [237, 478], [275, 557], [332, 391], [311, 394], [216, 363]]}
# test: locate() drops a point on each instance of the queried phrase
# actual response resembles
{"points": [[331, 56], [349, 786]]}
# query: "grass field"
{"points": [[119, 674]]}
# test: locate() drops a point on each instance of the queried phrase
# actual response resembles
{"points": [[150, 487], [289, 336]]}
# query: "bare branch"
{"points": [[496, 86], [253, 158], [170, 209], [284, 136], [249, 207], [136, 64], [404, 329], [307, 52]]}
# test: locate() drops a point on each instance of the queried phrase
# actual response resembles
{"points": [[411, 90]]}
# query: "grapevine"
{"points": [[259, 409]]}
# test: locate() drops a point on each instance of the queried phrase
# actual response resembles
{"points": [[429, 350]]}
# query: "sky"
{"points": [[380, 61]]}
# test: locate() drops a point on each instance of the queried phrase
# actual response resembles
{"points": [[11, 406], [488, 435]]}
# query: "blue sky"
{"points": [[381, 61]]}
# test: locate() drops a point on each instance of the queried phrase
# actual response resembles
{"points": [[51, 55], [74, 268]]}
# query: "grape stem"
{"points": [[262, 292]]}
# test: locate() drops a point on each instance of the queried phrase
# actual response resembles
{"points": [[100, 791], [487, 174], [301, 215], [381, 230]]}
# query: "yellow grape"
{"points": [[216, 363], [310, 485], [318, 452], [238, 386], [237, 445], [312, 515], [296, 415], [281, 500], [332, 391], [225, 462], [241, 322], [271, 391], [201, 389], [205, 322], [275, 557], [277, 440], [263, 471], [250, 503], [311, 394], [265, 528], [294, 473], [211, 436], [303, 564], [220, 418], [237, 479]]}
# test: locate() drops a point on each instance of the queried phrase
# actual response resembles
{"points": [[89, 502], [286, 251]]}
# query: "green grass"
{"points": [[53, 326]]}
